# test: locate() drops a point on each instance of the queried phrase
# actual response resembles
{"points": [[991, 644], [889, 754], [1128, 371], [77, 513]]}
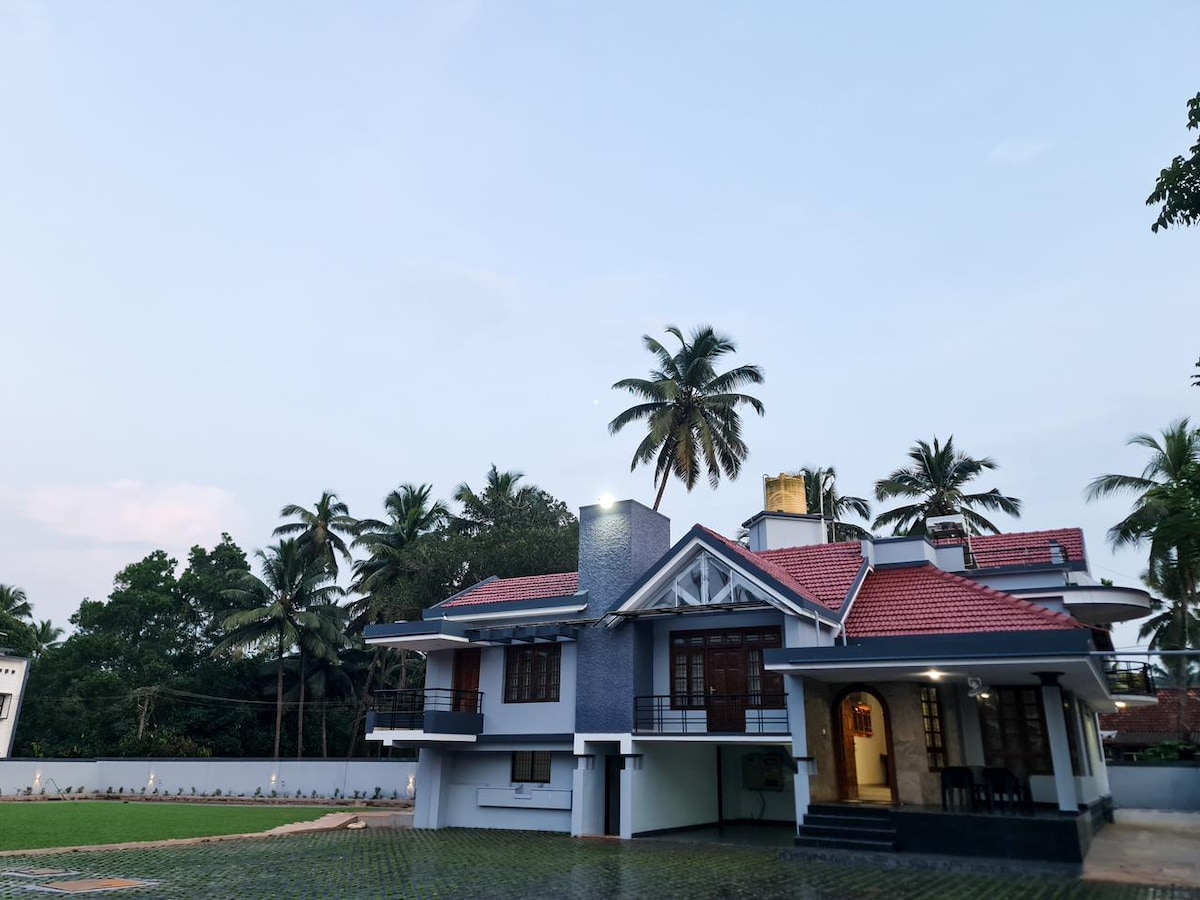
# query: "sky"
{"points": [[250, 252]]}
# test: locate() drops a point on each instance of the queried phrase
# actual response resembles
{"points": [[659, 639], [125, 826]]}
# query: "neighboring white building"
{"points": [[13, 672], [664, 687]]}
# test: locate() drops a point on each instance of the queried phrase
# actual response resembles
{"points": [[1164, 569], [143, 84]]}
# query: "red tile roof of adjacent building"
{"points": [[1176, 715], [772, 568], [510, 590], [926, 600], [1026, 548]]}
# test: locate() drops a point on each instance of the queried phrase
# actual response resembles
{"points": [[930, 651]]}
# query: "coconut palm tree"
{"points": [[1165, 485], [275, 608], [936, 480], [506, 503], [691, 411], [411, 517], [820, 491], [1165, 514], [1173, 625], [319, 636], [319, 529], [14, 602], [47, 636]]}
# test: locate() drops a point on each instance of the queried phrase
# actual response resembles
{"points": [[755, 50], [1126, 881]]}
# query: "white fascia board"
{"points": [[543, 613], [851, 665], [422, 642], [770, 738], [670, 568], [406, 735]]}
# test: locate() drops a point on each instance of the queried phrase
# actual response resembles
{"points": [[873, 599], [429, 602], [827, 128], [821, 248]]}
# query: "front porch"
{"points": [[1039, 833]]}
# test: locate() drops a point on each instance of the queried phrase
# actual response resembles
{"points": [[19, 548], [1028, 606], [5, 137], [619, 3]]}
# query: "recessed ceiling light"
{"points": [[933, 675]]}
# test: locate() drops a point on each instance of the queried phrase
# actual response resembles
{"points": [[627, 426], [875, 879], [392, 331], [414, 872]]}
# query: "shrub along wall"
{"points": [[320, 778]]}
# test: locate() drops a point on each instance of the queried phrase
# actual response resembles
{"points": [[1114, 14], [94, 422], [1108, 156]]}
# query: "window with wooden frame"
{"points": [[532, 674], [935, 727], [531, 766], [1014, 731], [689, 664], [860, 715]]}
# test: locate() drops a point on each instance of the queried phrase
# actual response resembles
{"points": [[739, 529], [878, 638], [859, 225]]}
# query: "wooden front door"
{"points": [[725, 678], [466, 680], [849, 767]]}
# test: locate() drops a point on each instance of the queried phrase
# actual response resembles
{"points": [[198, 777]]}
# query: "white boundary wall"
{"points": [[204, 777], [1149, 786]]}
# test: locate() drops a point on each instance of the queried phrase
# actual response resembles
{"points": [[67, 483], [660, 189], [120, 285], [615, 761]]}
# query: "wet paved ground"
{"points": [[378, 863]]}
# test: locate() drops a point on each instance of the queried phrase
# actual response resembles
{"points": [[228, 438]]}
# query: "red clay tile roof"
{"points": [[1176, 714], [1026, 548], [770, 567], [828, 570], [510, 590], [926, 600]]}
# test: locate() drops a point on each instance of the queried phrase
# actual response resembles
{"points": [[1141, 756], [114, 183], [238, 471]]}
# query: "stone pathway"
{"points": [[501, 865], [1147, 846]]}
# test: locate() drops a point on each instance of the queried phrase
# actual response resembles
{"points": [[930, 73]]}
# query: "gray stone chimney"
{"points": [[617, 545]]}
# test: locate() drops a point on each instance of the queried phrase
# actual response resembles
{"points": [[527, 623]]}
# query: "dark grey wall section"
{"points": [[616, 546]]}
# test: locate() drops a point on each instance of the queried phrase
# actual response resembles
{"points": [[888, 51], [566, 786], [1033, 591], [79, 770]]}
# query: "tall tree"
{"points": [[276, 608], [391, 547], [936, 480], [1174, 624], [47, 635], [1166, 506], [691, 411], [14, 602], [821, 494], [1178, 185], [319, 530], [506, 503]]}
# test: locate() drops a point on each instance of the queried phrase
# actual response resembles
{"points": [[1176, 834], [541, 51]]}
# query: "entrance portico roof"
{"points": [[1010, 659]]}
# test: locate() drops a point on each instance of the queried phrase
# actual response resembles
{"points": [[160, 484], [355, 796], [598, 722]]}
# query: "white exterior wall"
{"points": [[738, 802], [476, 777], [178, 777], [674, 787], [526, 718], [13, 670], [511, 718]]}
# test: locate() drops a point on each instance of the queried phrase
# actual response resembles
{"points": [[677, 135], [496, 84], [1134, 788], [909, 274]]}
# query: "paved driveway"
{"points": [[379, 863]]}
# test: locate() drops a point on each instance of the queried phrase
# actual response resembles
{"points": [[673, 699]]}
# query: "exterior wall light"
{"points": [[607, 501], [933, 675]]}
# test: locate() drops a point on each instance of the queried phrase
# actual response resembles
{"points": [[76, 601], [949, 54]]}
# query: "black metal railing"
{"points": [[406, 709], [1129, 677], [711, 714]]}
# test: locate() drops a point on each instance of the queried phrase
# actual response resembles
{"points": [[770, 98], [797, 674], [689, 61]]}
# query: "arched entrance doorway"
{"points": [[863, 743]]}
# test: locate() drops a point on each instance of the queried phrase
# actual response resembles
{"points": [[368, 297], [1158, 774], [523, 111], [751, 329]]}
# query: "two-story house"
{"points": [[902, 693], [14, 670]]}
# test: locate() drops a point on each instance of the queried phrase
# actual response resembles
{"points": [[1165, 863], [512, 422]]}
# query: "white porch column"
{"points": [[1060, 749], [1096, 749], [431, 766], [971, 732], [631, 768], [797, 722]]}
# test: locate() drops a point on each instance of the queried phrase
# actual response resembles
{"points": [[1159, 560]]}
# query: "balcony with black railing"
{"points": [[1125, 678], [430, 710], [755, 713]]}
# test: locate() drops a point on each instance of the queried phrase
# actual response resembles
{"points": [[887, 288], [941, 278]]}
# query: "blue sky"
{"points": [[252, 251]]}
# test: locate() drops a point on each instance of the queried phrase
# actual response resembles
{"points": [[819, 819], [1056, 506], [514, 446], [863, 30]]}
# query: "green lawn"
{"points": [[31, 826]]}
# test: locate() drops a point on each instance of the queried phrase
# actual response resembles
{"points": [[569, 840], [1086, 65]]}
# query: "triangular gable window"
{"points": [[707, 581]]}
